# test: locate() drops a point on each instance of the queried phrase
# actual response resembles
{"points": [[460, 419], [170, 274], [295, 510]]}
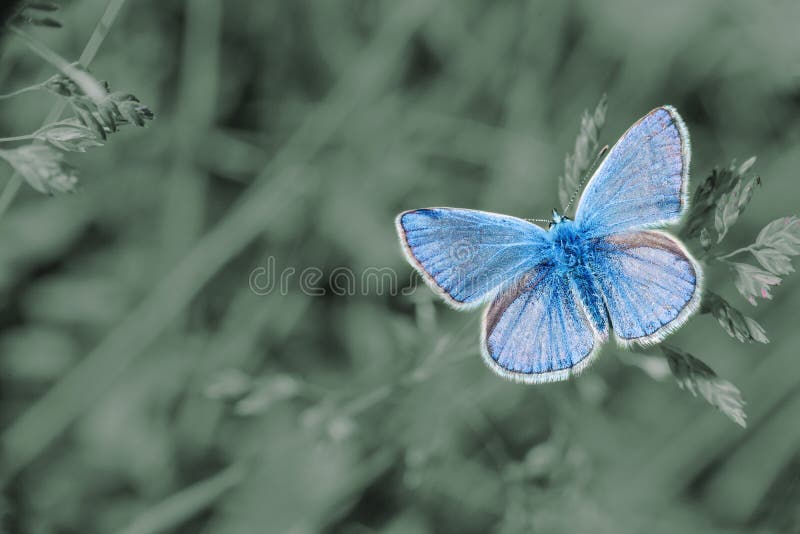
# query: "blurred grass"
{"points": [[297, 130]]}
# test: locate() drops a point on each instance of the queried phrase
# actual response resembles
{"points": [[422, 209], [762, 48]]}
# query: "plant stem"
{"points": [[16, 138], [420, 373], [100, 32], [85, 81], [9, 192], [89, 52], [188, 502], [22, 91], [186, 186], [735, 252]]}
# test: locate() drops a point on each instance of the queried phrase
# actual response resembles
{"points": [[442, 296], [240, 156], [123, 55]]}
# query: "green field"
{"points": [[216, 330]]}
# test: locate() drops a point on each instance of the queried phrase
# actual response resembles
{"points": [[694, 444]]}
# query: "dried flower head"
{"points": [[69, 135], [43, 167]]}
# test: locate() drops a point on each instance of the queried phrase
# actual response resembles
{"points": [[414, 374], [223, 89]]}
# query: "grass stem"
{"points": [[85, 81], [182, 506], [22, 91], [27, 137], [99, 34], [735, 252]]}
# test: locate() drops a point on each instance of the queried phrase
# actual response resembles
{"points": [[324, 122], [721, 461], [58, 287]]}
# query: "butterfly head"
{"points": [[558, 218], [567, 244]]}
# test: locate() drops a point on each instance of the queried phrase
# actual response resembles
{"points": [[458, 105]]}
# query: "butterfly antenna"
{"points": [[589, 172], [540, 220]]}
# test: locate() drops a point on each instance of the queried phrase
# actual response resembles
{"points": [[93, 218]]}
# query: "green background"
{"points": [[146, 387]]}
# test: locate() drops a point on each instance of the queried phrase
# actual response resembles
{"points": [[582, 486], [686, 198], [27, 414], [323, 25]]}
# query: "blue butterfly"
{"points": [[556, 294]]}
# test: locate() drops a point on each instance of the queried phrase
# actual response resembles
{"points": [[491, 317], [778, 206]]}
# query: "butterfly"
{"points": [[555, 296]]}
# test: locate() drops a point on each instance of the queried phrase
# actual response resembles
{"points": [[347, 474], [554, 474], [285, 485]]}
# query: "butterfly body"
{"points": [[573, 259], [556, 295], [568, 250]]}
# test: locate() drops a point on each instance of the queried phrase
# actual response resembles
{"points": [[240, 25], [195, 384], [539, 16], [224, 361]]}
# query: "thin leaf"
{"points": [[736, 324], [753, 282], [46, 22], [228, 384], [69, 135], [731, 205], [42, 6], [746, 165], [773, 261], [705, 239], [43, 167], [782, 235], [655, 367], [266, 393], [586, 145], [700, 380], [706, 198], [776, 243]]}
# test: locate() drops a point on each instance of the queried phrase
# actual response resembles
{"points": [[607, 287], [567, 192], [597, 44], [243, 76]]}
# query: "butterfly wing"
{"points": [[650, 283], [466, 255], [537, 331], [643, 180]]}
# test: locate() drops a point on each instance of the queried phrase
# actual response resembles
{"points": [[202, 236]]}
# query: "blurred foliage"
{"points": [[577, 164], [146, 388]]}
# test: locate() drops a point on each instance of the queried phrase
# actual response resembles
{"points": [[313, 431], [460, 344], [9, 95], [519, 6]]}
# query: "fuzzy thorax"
{"points": [[568, 245]]}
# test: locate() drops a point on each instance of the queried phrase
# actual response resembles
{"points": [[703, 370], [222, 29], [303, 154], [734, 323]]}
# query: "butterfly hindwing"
{"points": [[537, 331], [643, 180], [469, 255], [650, 284]]}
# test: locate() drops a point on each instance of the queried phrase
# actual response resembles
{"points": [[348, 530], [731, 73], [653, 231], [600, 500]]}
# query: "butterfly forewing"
{"points": [[643, 180], [467, 255]]}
